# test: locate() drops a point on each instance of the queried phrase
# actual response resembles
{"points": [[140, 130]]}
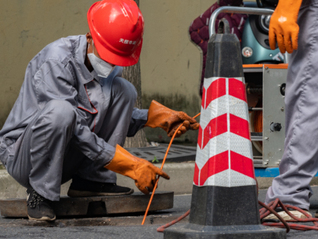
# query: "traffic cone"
{"points": [[224, 197]]}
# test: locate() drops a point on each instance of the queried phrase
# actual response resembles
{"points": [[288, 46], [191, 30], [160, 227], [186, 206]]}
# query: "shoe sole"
{"points": [[285, 216], [42, 219], [76, 193]]}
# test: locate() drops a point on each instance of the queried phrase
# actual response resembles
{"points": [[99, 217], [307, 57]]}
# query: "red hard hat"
{"points": [[117, 29]]}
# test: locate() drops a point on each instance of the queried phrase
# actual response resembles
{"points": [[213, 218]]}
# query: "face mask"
{"points": [[102, 68]]}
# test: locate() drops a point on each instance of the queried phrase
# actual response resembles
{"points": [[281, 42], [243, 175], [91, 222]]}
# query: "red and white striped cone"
{"points": [[224, 197], [224, 155]]}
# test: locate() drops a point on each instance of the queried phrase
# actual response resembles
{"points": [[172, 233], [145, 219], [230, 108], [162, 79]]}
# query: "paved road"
{"points": [[119, 227]]}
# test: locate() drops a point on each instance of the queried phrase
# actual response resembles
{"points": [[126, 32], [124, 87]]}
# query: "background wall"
{"points": [[26, 26], [170, 63]]}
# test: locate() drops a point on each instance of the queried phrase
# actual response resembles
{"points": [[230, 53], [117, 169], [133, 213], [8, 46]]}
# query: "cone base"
{"points": [[195, 231], [223, 206]]}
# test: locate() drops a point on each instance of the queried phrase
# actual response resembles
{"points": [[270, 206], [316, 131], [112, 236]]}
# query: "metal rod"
{"points": [[255, 108], [242, 10]]}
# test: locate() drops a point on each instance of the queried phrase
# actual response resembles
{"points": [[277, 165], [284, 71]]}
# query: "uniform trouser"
{"points": [[47, 156], [299, 163]]}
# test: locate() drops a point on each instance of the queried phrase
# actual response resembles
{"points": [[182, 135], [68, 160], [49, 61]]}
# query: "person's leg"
{"points": [[299, 162], [113, 131], [38, 163]]}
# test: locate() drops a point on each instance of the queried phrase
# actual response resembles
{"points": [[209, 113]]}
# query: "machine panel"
{"points": [[265, 87]]}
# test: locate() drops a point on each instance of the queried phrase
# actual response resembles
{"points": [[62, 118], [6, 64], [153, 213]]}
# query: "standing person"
{"points": [[299, 163], [74, 111]]}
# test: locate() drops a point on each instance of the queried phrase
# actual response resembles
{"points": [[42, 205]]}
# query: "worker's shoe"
{"points": [[85, 188], [39, 208], [285, 216]]}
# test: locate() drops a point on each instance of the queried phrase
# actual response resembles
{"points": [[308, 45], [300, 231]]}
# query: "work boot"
{"points": [[39, 208], [285, 216], [85, 188]]}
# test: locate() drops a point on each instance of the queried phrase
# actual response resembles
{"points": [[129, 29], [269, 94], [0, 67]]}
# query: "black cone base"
{"points": [[224, 213], [223, 232], [222, 206]]}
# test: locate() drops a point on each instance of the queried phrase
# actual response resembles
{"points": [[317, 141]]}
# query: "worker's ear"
{"points": [[89, 41], [89, 38]]}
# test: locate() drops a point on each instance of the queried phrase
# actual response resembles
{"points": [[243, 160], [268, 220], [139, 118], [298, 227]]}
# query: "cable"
{"points": [[162, 228], [288, 224], [163, 162], [265, 211]]}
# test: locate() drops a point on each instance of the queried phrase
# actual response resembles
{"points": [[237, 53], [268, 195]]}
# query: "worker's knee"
{"points": [[60, 112], [124, 90]]}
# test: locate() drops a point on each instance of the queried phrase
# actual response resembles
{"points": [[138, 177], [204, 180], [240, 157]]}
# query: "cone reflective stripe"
{"points": [[224, 154], [224, 197]]}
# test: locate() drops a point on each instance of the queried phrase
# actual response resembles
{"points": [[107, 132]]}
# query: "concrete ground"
{"points": [[122, 226], [119, 226]]}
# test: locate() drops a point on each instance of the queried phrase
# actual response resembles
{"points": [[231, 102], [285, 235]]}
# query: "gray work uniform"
{"points": [[299, 163], [67, 120]]}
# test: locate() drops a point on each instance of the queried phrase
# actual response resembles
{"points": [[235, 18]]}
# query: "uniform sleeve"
{"points": [[55, 80], [138, 120]]}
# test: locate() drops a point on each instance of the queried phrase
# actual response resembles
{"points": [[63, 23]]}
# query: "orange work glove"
{"points": [[140, 170], [169, 120], [283, 26]]}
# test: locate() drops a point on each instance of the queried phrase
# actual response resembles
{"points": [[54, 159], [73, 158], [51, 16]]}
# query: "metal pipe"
{"points": [[242, 10]]}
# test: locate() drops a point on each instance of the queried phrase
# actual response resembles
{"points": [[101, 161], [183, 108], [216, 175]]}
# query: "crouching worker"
{"points": [[75, 110]]}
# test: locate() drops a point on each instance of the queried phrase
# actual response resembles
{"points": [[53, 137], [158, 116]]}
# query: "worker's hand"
{"points": [[140, 170], [169, 120], [283, 26]]}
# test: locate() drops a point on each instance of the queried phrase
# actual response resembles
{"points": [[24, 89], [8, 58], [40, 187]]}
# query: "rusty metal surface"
{"points": [[94, 206]]}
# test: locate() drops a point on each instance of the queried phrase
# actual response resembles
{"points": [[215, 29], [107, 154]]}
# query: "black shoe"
{"points": [[85, 188], [39, 208]]}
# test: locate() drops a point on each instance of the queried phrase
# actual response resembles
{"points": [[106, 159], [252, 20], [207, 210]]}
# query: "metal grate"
{"points": [[177, 153]]}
